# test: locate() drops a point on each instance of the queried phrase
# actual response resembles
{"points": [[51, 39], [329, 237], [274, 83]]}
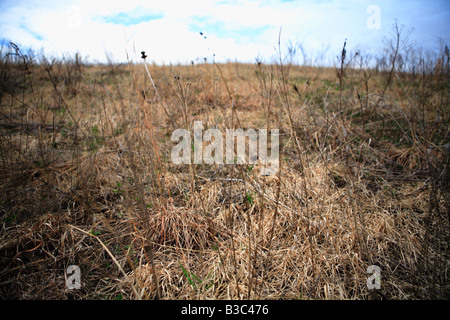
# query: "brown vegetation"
{"points": [[87, 180]]}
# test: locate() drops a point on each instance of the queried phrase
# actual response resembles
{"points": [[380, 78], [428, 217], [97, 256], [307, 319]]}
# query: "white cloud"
{"points": [[234, 29]]}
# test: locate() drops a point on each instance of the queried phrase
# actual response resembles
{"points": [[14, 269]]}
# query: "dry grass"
{"points": [[87, 180]]}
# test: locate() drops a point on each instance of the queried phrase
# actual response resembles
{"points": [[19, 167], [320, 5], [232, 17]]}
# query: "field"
{"points": [[87, 179]]}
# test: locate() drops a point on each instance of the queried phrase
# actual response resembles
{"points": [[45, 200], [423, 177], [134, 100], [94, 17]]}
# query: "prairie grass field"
{"points": [[87, 179]]}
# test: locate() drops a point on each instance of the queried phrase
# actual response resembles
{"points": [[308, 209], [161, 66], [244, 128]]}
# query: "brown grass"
{"points": [[86, 179]]}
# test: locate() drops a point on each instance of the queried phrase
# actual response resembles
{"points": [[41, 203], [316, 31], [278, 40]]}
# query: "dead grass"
{"points": [[87, 180]]}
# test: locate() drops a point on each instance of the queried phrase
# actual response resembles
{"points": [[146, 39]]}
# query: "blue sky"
{"points": [[235, 30]]}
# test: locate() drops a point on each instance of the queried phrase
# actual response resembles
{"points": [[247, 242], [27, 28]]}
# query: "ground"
{"points": [[88, 180]]}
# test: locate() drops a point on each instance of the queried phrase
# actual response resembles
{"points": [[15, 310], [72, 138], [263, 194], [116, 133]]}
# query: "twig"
{"points": [[157, 94]]}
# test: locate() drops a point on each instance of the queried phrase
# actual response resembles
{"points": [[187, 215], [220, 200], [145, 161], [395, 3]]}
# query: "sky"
{"points": [[170, 30]]}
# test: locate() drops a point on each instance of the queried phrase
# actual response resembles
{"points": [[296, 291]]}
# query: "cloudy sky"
{"points": [[169, 30]]}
